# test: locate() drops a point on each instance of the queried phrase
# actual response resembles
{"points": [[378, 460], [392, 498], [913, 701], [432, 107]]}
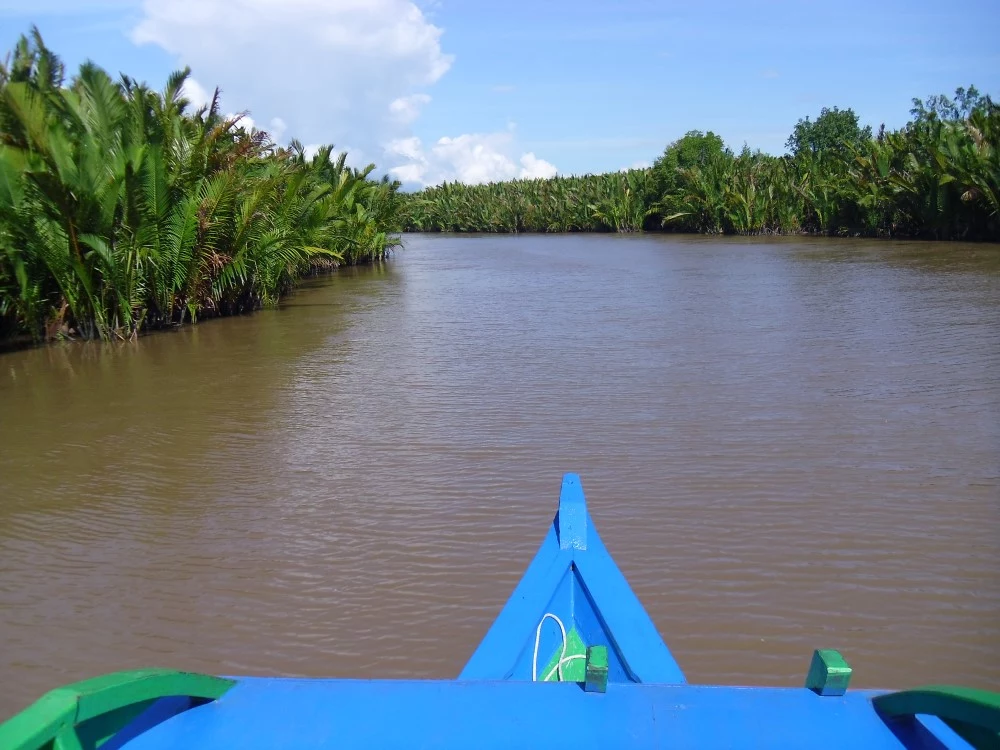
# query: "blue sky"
{"points": [[476, 90]]}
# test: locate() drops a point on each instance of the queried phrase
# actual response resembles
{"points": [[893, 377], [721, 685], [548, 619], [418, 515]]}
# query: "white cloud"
{"points": [[409, 173], [408, 148], [277, 128], [195, 93], [406, 109], [349, 72], [340, 71], [472, 158], [533, 168], [199, 97], [244, 121]]}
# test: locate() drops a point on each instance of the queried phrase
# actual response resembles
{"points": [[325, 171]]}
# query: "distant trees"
{"points": [[835, 131], [696, 150], [937, 177], [940, 107], [617, 202]]}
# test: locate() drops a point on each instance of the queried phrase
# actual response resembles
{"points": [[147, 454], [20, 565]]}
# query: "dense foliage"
{"points": [[121, 209], [124, 209], [937, 177], [618, 201]]}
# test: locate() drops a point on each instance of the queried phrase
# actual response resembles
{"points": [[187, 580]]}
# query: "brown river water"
{"points": [[786, 444]]}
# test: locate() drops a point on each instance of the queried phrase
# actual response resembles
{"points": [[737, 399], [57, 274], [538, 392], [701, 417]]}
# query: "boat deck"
{"points": [[278, 713]]}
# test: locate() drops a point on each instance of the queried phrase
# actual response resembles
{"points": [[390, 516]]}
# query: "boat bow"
{"points": [[571, 597]]}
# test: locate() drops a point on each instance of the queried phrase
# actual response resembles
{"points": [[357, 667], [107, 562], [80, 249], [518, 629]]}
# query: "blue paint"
{"points": [[630, 631], [267, 713], [572, 518], [573, 577], [158, 712], [493, 704], [499, 652]]}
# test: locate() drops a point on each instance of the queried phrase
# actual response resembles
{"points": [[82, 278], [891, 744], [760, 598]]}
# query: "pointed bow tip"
{"points": [[572, 518]]}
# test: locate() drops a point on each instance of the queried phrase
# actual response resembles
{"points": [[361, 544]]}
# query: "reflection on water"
{"points": [[786, 444]]}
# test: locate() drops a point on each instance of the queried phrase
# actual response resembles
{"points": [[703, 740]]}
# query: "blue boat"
{"points": [[572, 661]]}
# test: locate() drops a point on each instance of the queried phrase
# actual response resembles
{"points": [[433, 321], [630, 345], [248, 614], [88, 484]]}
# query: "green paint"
{"points": [[973, 714], [597, 670], [829, 672], [85, 715], [590, 668], [574, 670]]}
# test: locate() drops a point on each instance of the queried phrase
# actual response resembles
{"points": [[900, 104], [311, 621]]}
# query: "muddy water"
{"points": [[786, 445]]}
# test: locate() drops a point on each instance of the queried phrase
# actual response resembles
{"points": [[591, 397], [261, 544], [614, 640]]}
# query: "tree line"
{"points": [[937, 177], [124, 209]]}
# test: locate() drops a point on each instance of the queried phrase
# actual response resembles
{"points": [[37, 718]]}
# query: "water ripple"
{"points": [[786, 445]]}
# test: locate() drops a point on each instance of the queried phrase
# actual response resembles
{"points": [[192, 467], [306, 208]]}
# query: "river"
{"points": [[786, 444]]}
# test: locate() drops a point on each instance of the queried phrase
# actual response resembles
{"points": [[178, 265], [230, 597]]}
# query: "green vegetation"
{"points": [[121, 210], [617, 201], [938, 177]]}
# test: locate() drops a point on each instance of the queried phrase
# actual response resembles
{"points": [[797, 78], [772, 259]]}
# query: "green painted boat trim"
{"points": [[572, 671], [87, 714], [973, 714]]}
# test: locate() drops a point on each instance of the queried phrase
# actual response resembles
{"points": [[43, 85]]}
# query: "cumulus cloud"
{"points": [[406, 109], [195, 93], [277, 128], [330, 70], [408, 148], [349, 72], [534, 168], [472, 158]]}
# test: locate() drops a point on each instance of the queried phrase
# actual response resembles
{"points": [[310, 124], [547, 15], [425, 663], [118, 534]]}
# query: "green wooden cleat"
{"points": [[829, 673], [597, 670]]}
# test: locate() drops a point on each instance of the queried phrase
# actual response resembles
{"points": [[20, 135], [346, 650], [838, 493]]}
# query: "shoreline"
{"points": [[746, 235], [24, 341]]}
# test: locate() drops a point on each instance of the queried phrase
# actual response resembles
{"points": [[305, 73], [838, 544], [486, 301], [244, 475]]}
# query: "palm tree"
{"points": [[121, 211]]}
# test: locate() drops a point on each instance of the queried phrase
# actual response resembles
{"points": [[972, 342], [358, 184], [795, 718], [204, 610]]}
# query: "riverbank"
{"points": [[13, 341], [125, 210], [938, 177]]}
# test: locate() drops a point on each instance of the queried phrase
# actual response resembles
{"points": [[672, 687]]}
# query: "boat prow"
{"points": [[571, 623], [574, 594]]}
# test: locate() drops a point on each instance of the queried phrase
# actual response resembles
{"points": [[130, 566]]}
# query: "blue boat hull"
{"points": [[277, 713], [518, 689], [574, 578]]}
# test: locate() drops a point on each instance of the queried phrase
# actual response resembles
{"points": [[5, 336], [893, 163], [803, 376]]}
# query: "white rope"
{"points": [[558, 666], [562, 656]]}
